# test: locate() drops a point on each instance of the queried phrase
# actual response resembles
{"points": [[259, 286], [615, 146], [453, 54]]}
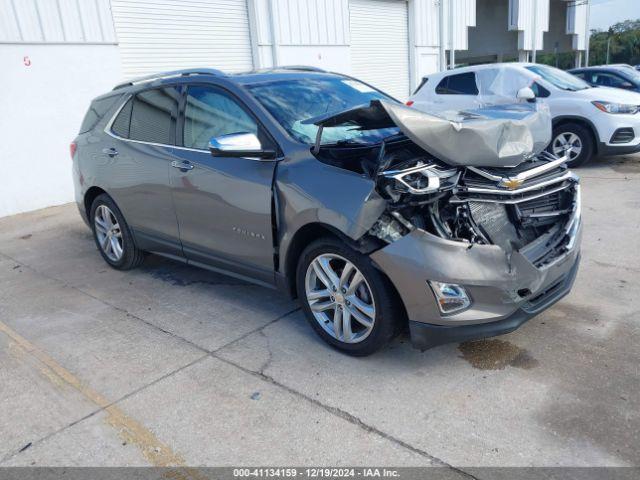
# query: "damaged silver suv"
{"points": [[374, 215]]}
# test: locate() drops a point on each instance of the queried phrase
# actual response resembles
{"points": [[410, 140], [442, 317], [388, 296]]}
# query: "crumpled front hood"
{"points": [[485, 137], [499, 136]]}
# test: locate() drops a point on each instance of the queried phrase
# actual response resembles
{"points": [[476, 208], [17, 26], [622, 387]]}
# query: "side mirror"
{"points": [[526, 93], [242, 144]]}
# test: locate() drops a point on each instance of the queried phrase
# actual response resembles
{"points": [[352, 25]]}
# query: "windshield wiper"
{"points": [[347, 141], [393, 136]]}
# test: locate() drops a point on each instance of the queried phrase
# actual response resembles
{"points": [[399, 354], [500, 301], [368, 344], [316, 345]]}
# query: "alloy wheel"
{"points": [[340, 298], [565, 141], [108, 233]]}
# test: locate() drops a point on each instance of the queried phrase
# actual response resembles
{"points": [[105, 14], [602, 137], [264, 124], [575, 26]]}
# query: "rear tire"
{"points": [[357, 300], [112, 235], [576, 135]]}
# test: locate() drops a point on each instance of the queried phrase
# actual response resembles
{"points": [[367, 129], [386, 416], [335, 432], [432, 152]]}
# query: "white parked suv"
{"points": [[591, 120]]}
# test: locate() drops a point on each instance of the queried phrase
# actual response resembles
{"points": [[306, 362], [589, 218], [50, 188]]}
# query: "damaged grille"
{"points": [[493, 219], [544, 210], [512, 208], [532, 208]]}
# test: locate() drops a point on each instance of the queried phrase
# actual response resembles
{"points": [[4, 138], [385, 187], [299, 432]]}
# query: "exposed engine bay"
{"points": [[508, 207], [532, 207]]}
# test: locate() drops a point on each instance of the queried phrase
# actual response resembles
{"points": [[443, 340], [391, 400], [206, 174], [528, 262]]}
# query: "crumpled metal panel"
{"points": [[492, 278], [502, 135], [311, 192], [497, 136]]}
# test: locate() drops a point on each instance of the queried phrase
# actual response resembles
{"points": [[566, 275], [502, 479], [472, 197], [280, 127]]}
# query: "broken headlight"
{"points": [[409, 186], [420, 178]]}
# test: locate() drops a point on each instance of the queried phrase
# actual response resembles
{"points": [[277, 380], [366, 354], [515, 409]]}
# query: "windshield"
{"points": [[293, 101], [558, 78]]}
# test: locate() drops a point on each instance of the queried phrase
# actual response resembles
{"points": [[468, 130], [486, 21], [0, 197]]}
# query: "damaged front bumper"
{"points": [[425, 335], [481, 229], [506, 290]]}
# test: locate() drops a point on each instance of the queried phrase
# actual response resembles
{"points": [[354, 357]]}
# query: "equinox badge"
{"points": [[248, 233]]}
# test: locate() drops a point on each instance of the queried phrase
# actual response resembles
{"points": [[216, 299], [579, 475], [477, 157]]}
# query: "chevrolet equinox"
{"points": [[327, 189]]}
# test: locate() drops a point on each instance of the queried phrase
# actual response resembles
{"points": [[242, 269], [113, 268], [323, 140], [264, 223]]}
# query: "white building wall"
{"points": [[312, 22], [380, 44], [316, 32], [524, 16], [577, 23], [425, 25], [54, 58], [62, 21], [311, 32], [46, 92], [161, 35]]}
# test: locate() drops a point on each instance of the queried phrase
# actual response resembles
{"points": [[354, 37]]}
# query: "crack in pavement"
{"points": [[128, 428], [349, 417], [269, 359], [260, 374], [113, 403]]}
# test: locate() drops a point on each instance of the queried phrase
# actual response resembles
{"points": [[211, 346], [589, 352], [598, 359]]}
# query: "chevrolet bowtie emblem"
{"points": [[511, 183]]}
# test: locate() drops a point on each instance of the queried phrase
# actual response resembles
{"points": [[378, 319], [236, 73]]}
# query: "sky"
{"points": [[605, 13]]}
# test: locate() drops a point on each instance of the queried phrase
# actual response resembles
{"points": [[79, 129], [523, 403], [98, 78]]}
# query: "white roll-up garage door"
{"points": [[380, 44], [158, 35]]}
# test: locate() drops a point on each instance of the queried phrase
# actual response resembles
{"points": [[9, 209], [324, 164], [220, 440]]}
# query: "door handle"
{"points": [[112, 152], [184, 165]]}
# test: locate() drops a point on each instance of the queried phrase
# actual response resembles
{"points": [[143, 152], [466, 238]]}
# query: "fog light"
{"points": [[451, 298]]}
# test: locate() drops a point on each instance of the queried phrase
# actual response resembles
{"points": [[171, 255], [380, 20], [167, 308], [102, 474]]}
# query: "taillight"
{"points": [[72, 148], [409, 103]]}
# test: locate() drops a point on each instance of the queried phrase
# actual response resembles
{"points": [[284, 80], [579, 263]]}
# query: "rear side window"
{"points": [[153, 116], [121, 124], [460, 84], [96, 111], [606, 79]]}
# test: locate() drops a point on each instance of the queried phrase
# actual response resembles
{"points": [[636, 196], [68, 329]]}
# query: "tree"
{"points": [[624, 47]]}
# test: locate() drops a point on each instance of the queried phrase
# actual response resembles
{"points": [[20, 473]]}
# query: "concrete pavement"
{"points": [[169, 364]]}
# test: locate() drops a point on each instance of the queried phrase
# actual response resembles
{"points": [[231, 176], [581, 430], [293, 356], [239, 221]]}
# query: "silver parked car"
{"points": [[374, 215]]}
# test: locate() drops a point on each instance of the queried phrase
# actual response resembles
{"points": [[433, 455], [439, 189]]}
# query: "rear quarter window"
{"points": [[97, 110], [539, 90], [460, 84], [122, 122]]}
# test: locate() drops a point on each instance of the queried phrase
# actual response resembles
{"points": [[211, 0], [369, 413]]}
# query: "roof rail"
{"points": [[174, 73], [302, 68]]}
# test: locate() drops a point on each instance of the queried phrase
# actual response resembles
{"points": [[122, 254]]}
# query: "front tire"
{"points": [[112, 235], [577, 137], [349, 303]]}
